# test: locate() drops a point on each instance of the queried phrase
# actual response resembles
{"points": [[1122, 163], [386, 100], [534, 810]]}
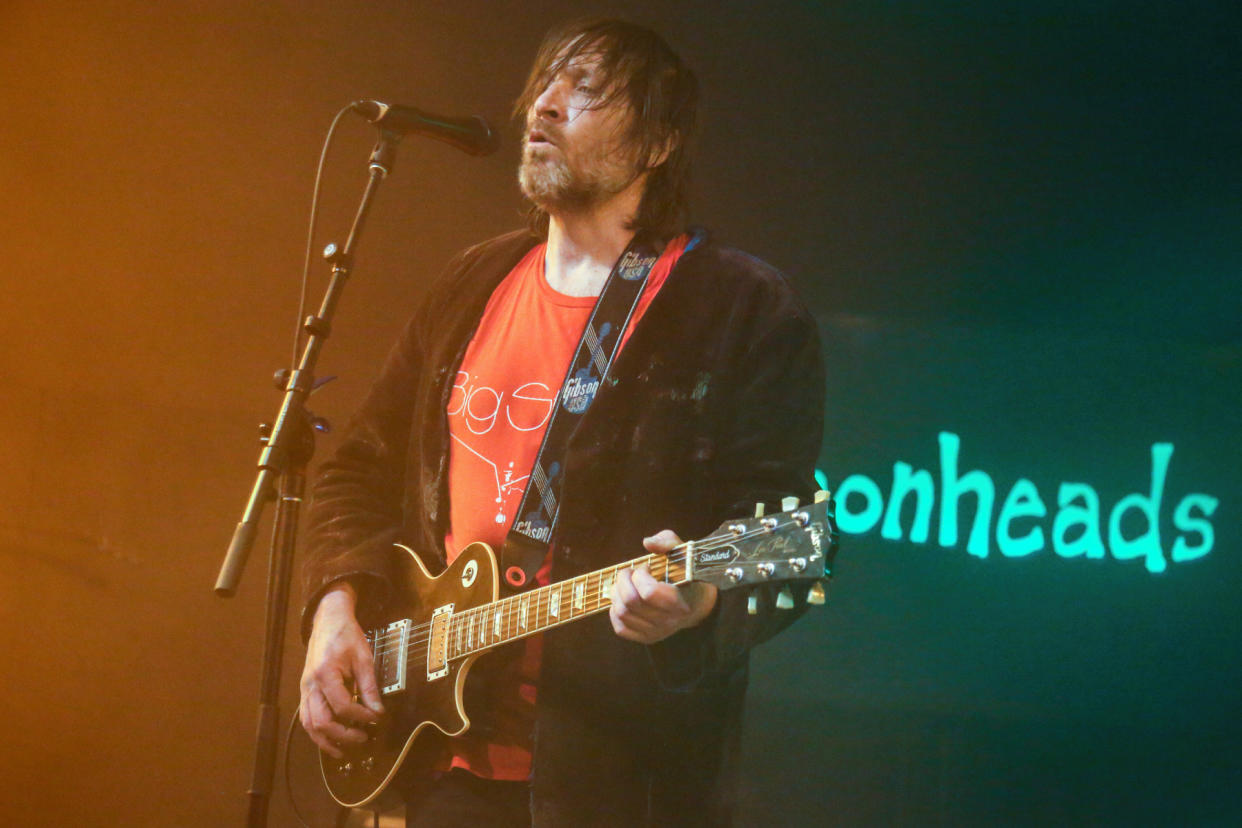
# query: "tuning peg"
{"points": [[822, 495], [752, 604], [816, 595], [784, 599], [759, 509], [788, 504]]}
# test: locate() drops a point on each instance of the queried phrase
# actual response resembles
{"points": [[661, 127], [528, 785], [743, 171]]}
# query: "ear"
{"points": [[661, 153]]}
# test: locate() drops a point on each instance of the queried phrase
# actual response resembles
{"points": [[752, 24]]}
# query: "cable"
{"points": [[310, 236], [293, 723], [297, 347]]}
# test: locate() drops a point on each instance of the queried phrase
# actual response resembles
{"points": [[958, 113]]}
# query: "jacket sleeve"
{"points": [[355, 512], [768, 439], [356, 509], [358, 500]]}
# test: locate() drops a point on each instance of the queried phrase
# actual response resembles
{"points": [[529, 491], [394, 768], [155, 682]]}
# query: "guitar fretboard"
{"points": [[518, 616]]}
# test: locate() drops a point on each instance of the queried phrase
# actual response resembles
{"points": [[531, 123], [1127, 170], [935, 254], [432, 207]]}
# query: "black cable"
{"points": [[293, 723], [297, 347], [310, 236]]}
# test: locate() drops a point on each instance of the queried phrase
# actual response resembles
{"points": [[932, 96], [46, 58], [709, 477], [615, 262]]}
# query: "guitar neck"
{"points": [[509, 619]]}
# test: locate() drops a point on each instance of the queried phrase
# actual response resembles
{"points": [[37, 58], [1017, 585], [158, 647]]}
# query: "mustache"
{"points": [[545, 132]]}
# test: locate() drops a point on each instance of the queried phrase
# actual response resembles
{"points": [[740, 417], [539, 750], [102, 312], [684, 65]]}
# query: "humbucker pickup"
{"points": [[390, 646]]}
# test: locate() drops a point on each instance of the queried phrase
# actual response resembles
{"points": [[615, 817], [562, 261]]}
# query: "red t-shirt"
{"points": [[499, 409]]}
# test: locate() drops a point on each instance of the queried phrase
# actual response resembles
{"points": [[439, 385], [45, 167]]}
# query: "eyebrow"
{"points": [[579, 68]]}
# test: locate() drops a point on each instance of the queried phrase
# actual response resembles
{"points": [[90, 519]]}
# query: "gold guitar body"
{"points": [[368, 769]]}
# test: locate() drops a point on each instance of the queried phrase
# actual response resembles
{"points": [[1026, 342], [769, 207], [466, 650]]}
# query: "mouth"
{"points": [[537, 137]]}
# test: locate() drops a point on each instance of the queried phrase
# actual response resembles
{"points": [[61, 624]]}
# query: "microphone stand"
{"points": [[288, 446]]}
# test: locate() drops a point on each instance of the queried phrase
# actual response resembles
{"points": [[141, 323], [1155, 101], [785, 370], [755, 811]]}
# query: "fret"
{"points": [[517, 616]]}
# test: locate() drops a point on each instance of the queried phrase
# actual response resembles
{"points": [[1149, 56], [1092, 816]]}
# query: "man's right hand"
{"points": [[338, 657]]}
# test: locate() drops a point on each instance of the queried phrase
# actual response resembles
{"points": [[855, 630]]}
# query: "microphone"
{"points": [[472, 135]]}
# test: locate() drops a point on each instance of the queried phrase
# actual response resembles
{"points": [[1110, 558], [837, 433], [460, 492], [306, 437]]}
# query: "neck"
{"points": [[584, 243]]}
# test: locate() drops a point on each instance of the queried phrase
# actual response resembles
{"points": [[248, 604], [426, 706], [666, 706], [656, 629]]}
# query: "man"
{"points": [[713, 402]]}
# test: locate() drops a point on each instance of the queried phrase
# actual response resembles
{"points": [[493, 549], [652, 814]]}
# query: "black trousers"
{"points": [[459, 799]]}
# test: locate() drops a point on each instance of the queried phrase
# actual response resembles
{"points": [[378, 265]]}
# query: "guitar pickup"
{"points": [[437, 644], [392, 647]]}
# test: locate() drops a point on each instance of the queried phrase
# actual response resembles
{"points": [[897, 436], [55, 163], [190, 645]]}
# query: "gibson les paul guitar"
{"points": [[442, 624]]}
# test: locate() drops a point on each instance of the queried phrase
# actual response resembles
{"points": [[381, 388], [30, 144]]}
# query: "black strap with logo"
{"points": [[526, 544]]}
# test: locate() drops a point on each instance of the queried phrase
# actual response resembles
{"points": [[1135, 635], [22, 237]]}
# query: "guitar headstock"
{"points": [[798, 544]]}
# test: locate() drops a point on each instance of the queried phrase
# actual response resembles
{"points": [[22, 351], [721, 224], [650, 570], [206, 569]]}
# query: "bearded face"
{"points": [[571, 176], [574, 153]]}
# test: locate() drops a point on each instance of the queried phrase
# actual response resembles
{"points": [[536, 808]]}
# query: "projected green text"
{"points": [[1079, 526]]}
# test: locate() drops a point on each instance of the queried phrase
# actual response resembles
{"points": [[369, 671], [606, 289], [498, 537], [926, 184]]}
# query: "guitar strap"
{"points": [[526, 544]]}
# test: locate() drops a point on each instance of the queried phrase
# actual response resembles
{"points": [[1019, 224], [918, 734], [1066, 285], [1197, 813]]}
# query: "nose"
{"points": [[550, 105]]}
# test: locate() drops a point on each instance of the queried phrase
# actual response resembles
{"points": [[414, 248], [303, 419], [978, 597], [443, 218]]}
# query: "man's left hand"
{"points": [[646, 610]]}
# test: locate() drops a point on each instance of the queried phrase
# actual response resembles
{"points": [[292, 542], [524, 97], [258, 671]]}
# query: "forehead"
{"points": [[577, 64]]}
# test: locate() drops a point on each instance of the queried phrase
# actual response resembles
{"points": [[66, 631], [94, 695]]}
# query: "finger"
{"points": [[627, 602], [641, 637], [338, 731], [314, 712], [659, 595], [341, 700], [623, 588], [304, 715], [635, 605], [636, 629], [662, 542], [365, 683]]}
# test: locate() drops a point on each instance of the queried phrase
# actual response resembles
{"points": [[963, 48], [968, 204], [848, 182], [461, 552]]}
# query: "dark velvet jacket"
{"points": [[716, 402]]}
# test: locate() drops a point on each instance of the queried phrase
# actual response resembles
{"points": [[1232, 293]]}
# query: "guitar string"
{"points": [[587, 601], [541, 600], [390, 641]]}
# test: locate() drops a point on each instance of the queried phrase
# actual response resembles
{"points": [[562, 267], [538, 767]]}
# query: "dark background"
{"points": [[1017, 222]]}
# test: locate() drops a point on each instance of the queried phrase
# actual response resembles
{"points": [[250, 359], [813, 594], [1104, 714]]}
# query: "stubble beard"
{"points": [[547, 178]]}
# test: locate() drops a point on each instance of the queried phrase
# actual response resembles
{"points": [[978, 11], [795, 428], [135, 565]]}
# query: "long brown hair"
{"points": [[662, 93]]}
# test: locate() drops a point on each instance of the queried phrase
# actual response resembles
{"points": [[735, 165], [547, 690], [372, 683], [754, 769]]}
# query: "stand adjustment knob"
{"points": [[335, 256], [317, 326]]}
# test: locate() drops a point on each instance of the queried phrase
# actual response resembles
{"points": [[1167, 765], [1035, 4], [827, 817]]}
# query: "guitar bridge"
{"points": [[390, 647]]}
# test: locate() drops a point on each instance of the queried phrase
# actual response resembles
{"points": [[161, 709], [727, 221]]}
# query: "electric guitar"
{"points": [[446, 622]]}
